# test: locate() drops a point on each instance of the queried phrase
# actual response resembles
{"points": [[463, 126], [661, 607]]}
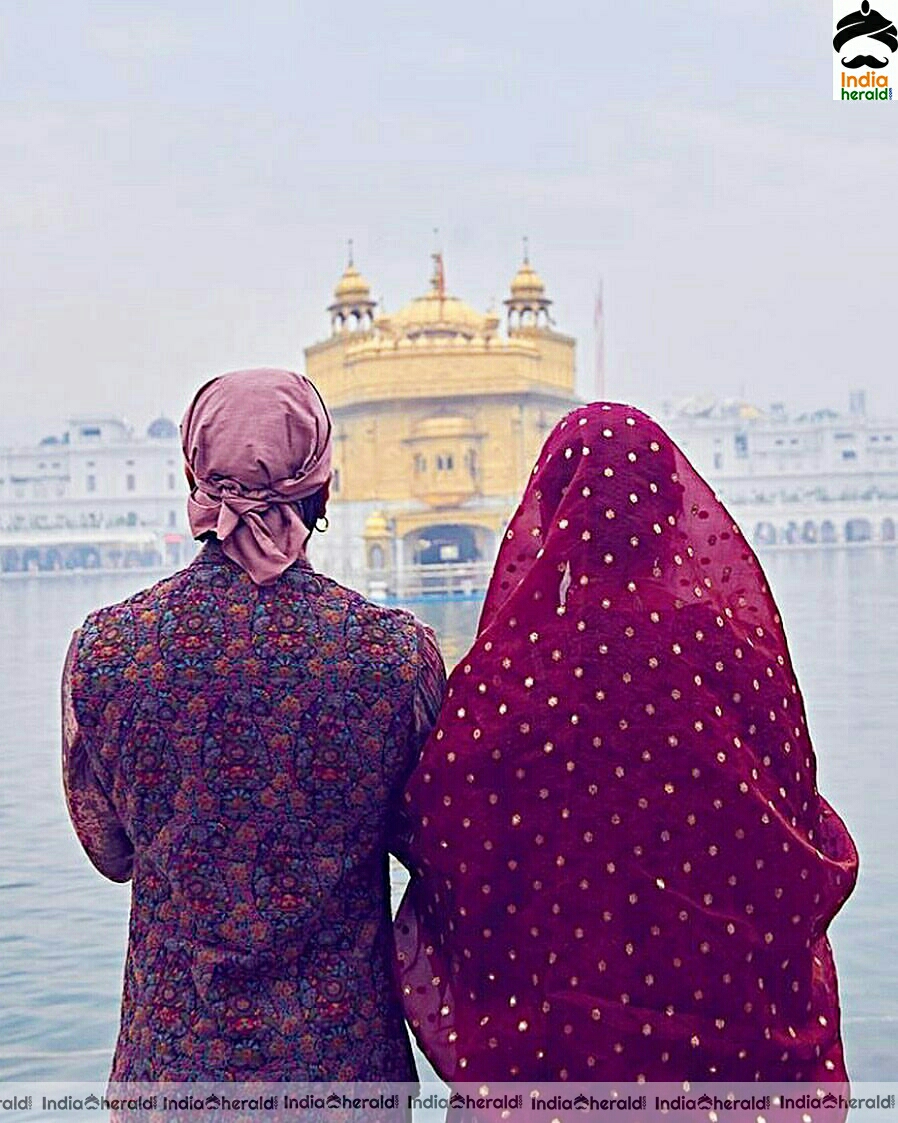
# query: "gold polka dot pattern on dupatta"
{"points": [[634, 873]]}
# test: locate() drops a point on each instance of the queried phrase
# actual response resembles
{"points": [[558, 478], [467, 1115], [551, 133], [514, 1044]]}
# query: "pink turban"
{"points": [[257, 441]]}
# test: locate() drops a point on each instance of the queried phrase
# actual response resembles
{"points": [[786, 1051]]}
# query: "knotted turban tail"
{"points": [[250, 528]]}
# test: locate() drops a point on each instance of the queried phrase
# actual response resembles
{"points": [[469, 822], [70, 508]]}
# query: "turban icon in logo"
{"points": [[868, 24]]}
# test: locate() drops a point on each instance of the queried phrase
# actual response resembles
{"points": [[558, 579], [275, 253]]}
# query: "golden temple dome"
{"points": [[352, 309], [352, 287], [376, 525], [528, 306], [527, 282], [439, 314]]}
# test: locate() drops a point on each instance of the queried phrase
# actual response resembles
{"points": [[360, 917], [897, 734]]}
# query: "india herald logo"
{"points": [[871, 27]]}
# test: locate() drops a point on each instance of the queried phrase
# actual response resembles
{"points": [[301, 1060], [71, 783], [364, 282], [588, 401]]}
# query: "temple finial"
{"points": [[350, 262], [438, 280], [526, 250]]}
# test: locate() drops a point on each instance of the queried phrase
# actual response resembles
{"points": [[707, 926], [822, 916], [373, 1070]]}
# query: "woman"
{"points": [[624, 868], [234, 740]]}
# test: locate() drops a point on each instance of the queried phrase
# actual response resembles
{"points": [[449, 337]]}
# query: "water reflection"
{"points": [[454, 621]]}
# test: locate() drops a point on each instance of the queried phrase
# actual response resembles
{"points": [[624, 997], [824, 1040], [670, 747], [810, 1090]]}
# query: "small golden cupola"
{"points": [[528, 306], [353, 308]]}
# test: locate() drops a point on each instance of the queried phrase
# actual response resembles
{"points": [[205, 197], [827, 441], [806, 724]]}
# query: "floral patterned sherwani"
{"points": [[238, 752]]}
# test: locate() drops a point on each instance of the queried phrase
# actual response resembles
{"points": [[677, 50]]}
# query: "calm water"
{"points": [[63, 928]]}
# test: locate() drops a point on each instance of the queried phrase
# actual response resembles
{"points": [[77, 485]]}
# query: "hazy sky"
{"points": [[179, 181]]}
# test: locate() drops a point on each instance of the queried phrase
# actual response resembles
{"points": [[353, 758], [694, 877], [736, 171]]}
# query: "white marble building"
{"points": [[98, 495], [816, 477]]}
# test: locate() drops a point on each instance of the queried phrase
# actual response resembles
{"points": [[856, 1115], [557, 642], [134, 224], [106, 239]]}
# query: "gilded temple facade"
{"points": [[438, 417]]}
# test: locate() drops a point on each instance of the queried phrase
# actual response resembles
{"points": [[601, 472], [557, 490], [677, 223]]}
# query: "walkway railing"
{"points": [[439, 580]]}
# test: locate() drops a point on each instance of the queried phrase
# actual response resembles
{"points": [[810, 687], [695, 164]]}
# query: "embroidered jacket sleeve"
{"points": [[94, 818], [430, 687]]}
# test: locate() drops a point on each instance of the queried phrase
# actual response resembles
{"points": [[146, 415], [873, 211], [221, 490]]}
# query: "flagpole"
{"points": [[599, 329]]}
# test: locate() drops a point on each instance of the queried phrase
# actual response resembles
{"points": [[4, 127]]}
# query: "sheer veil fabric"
{"points": [[622, 867]]}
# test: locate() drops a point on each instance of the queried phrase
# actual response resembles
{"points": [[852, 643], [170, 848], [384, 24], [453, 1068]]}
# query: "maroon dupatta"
{"points": [[622, 866]]}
